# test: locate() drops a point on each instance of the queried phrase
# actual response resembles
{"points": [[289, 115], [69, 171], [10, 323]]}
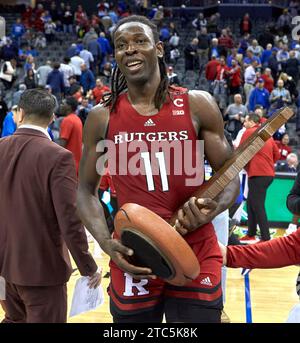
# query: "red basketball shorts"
{"points": [[130, 296]]}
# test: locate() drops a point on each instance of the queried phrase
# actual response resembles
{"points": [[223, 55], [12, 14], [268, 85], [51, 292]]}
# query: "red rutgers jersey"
{"points": [[157, 162]]}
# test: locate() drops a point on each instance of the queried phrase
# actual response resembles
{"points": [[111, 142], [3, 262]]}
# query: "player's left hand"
{"points": [[195, 213]]}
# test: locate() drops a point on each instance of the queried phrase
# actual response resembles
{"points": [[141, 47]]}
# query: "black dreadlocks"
{"points": [[118, 82]]}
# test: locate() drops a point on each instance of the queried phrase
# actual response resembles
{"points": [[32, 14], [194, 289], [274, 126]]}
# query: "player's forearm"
{"points": [[92, 215]]}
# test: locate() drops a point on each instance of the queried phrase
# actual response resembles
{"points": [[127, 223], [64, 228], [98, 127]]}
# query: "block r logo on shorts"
{"points": [[130, 285]]}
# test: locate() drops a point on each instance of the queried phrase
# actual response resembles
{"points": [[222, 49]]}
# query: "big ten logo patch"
{"points": [[2, 27], [133, 288], [178, 103]]}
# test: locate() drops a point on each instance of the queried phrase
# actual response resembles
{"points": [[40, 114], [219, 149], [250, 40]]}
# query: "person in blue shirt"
{"points": [[259, 96], [87, 79], [9, 125], [17, 31], [266, 55]]}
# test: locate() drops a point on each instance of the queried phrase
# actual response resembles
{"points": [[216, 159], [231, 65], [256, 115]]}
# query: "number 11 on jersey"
{"points": [[162, 169]]}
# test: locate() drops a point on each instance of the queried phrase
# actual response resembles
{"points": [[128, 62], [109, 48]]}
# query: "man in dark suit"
{"points": [[38, 221]]}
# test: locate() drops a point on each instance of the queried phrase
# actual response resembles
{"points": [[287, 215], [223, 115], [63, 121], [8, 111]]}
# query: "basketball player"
{"points": [[143, 108]]}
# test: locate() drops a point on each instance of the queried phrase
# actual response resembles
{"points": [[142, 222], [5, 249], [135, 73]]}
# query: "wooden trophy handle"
{"points": [[240, 157]]}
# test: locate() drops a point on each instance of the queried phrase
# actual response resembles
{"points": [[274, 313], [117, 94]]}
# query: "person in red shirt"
{"points": [[71, 129], [260, 172], [268, 80], [235, 81], [98, 92], [211, 70], [283, 147]]}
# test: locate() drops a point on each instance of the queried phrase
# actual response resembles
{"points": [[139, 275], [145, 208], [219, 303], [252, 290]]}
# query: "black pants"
{"points": [[258, 186]]}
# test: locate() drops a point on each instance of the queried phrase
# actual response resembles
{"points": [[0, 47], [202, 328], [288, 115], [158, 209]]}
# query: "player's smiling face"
{"points": [[136, 52]]}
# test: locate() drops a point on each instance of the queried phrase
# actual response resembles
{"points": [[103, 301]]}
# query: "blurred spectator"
{"points": [[17, 31], [80, 17], [235, 115], [17, 94], [292, 66], [158, 16], [245, 25], [87, 57], [173, 77], [266, 54], [273, 64], [211, 71], [9, 50], [84, 109], [54, 13], [9, 125], [50, 30], [215, 49], [250, 79], [29, 64], [220, 85], [256, 49], [290, 165], [199, 23], [184, 17], [89, 36], [72, 50], [98, 92], [105, 46], [283, 147], [30, 79], [8, 73], [75, 89], [225, 42], [67, 20], [290, 85], [3, 110], [55, 80], [95, 50], [67, 72], [282, 57], [76, 63], [284, 22], [190, 54], [259, 96], [268, 80], [234, 78], [87, 78], [279, 97], [40, 41], [42, 74], [203, 46], [266, 38]]}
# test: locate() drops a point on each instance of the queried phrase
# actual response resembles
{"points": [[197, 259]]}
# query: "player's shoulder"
{"points": [[97, 122], [201, 101]]}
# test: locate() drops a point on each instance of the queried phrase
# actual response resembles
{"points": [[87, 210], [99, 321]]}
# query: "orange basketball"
{"points": [[156, 244]]}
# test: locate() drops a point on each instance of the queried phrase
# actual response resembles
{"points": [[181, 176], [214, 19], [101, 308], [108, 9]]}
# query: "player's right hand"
{"points": [[119, 253]]}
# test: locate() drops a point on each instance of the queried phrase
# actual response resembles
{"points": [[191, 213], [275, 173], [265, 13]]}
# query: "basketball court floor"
{"points": [[272, 295]]}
